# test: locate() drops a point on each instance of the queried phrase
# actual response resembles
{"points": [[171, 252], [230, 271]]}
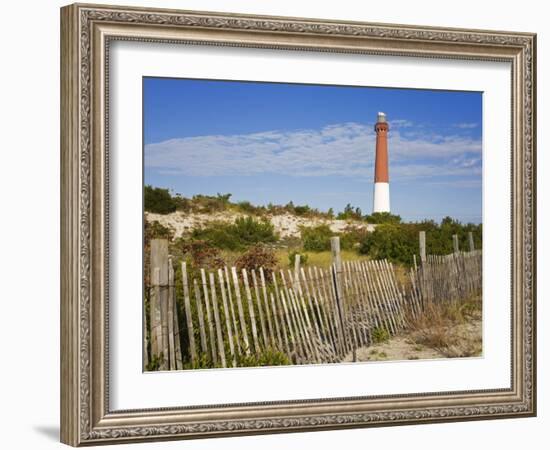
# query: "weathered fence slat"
{"points": [[217, 320], [290, 321], [336, 268], [177, 339], [241, 310], [267, 309], [283, 318], [170, 316], [209, 318], [202, 328], [251, 312], [379, 296], [156, 327], [361, 310], [232, 308], [279, 343], [260, 308], [188, 314], [317, 310], [227, 318], [322, 306], [336, 311], [396, 294]]}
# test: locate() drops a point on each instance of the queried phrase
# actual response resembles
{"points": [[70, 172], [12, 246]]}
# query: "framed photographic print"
{"points": [[277, 224]]}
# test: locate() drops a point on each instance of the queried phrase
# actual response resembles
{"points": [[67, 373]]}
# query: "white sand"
{"points": [[467, 338], [286, 225]]}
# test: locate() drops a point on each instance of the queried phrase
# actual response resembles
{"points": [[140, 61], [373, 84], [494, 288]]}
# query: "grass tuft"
{"points": [[445, 328]]}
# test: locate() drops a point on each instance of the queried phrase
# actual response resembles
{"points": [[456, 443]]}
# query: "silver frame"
{"points": [[86, 31]]}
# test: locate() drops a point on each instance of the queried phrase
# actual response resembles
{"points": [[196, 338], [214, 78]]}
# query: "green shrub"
{"points": [[292, 258], [439, 237], [208, 203], [158, 200], [155, 230], [398, 242], [217, 234], [250, 231], [244, 232], [276, 210], [393, 242], [380, 335], [154, 363], [246, 207], [298, 210], [382, 217], [202, 254], [256, 257], [202, 362], [352, 237], [316, 239], [303, 210], [350, 213], [182, 204], [267, 357], [249, 208]]}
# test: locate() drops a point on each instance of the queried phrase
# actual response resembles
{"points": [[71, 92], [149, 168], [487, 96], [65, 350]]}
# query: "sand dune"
{"points": [[286, 225]]}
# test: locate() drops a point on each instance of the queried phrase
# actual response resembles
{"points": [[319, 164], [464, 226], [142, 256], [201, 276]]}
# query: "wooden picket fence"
{"points": [[311, 315], [445, 279]]}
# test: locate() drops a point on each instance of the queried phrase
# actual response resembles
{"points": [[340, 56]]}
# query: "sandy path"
{"points": [[464, 341]]}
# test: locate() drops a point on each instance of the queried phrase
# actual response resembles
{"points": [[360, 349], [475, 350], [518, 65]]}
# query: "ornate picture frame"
{"points": [[87, 32]]}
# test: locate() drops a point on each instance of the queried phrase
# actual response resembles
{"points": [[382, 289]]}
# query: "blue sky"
{"points": [[277, 142]]}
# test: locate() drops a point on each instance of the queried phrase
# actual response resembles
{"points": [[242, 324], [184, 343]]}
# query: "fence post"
{"points": [[159, 300], [336, 256], [296, 272], [455, 243], [145, 354], [422, 242], [337, 275], [170, 316], [471, 241]]}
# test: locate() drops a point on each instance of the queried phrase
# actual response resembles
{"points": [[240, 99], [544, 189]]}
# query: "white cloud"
{"points": [[345, 149], [401, 123], [462, 183], [466, 125]]}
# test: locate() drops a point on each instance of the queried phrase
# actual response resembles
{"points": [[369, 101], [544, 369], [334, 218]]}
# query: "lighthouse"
{"points": [[381, 201]]}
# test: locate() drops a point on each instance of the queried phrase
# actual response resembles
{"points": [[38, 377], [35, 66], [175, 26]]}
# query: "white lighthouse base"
{"points": [[381, 197]]}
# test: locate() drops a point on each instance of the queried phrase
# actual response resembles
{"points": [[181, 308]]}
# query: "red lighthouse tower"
{"points": [[381, 201]]}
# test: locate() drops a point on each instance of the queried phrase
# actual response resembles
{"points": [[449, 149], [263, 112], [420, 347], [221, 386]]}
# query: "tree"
{"points": [[350, 213], [158, 200]]}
